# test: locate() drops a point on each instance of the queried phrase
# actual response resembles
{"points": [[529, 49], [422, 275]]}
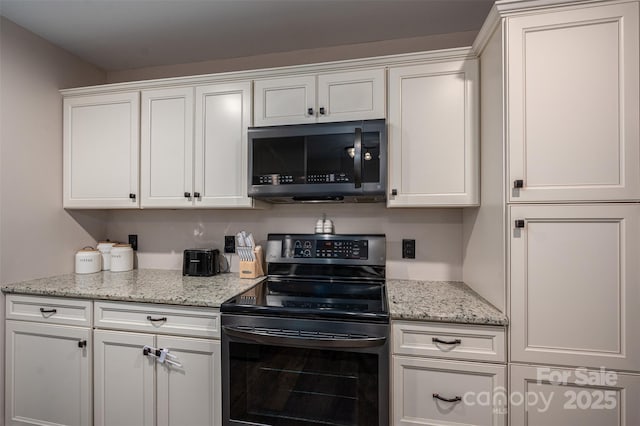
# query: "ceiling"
{"points": [[125, 34]]}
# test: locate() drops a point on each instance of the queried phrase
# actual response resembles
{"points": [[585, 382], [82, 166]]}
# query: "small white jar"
{"points": [[121, 258], [105, 249], [88, 261]]}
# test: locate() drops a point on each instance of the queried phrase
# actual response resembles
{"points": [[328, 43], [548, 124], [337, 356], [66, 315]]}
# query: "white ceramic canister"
{"points": [[105, 249], [121, 258], [88, 261]]}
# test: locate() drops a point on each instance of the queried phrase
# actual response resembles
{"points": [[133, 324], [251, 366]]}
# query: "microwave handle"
{"points": [[357, 158]]}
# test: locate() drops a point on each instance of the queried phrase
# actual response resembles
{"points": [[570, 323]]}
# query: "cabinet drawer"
{"points": [[52, 310], [203, 322], [449, 341], [471, 393]]}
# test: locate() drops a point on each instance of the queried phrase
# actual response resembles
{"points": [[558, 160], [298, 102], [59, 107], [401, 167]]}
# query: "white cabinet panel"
{"points": [[223, 115], [190, 395], [575, 285], [351, 95], [433, 134], [417, 381], [51, 310], [285, 100], [569, 399], [101, 148], [124, 379], [166, 167], [573, 104], [48, 376]]}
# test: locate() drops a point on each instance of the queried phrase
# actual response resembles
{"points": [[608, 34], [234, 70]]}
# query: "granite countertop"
{"points": [[139, 285], [444, 301]]}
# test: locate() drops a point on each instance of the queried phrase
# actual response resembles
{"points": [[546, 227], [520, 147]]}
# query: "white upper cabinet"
{"points": [[194, 146], [343, 96], [433, 134], [101, 149], [575, 285], [166, 167], [223, 115], [573, 104]]}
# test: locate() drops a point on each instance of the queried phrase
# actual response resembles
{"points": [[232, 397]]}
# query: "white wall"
{"points": [[37, 237], [164, 234]]}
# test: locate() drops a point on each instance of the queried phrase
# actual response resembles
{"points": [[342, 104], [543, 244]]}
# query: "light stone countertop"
{"points": [[443, 301], [144, 285]]}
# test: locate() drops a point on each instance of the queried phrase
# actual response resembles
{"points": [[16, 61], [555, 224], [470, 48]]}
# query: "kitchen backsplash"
{"points": [[164, 234]]}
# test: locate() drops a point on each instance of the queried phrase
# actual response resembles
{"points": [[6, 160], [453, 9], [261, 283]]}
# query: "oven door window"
{"points": [[292, 386]]}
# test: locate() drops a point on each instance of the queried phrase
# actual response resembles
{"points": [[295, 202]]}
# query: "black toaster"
{"points": [[201, 262]]}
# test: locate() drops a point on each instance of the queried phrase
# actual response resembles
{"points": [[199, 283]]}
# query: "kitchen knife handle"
{"points": [[357, 158]]}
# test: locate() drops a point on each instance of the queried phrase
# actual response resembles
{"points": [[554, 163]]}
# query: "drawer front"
{"points": [[440, 392], [52, 310], [149, 318], [464, 342]]}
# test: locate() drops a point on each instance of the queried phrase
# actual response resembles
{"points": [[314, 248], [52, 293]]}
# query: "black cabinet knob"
{"points": [[82, 344], [132, 196], [196, 194], [518, 183], [187, 195], [310, 111], [394, 192], [321, 111], [519, 223]]}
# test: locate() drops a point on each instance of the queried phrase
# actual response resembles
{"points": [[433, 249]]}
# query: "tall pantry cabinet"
{"points": [[560, 219]]}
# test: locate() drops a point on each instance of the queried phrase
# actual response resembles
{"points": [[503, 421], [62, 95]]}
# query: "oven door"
{"points": [[285, 372]]}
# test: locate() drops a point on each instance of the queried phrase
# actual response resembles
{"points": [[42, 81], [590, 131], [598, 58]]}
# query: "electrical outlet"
{"points": [[408, 249], [229, 244], [133, 240]]}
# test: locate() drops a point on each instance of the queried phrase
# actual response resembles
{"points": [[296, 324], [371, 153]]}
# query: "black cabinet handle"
{"points": [[310, 111], [48, 311], [196, 194], [519, 223], [394, 192], [446, 342], [187, 195], [321, 110], [454, 399], [518, 183], [82, 344], [357, 158], [150, 318], [132, 196]]}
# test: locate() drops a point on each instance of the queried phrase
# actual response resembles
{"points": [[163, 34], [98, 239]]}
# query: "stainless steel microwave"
{"points": [[329, 162]]}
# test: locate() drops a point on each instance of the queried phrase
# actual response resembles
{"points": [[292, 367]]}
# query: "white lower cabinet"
{"points": [[48, 367], [430, 390], [551, 396], [134, 388]]}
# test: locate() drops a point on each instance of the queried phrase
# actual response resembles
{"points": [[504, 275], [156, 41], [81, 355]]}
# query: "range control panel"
{"points": [[331, 249]]}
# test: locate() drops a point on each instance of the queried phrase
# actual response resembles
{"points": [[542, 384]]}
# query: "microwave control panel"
{"points": [[331, 249], [278, 179]]}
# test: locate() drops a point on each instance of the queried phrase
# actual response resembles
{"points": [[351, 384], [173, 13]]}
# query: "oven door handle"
{"points": [[317, 343]]}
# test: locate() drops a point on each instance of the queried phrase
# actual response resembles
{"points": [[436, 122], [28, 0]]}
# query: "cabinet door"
{"points": [[417, 381], [101, 144], [48, 376], [223, 115], [573, 104], [166, 166], [550, 396], [288, 100], [190, 394], [433, 135], [124, 379], [354, 95], [575, 285]]}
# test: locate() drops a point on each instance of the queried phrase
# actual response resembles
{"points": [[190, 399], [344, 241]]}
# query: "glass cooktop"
{"points": [[360, 300]]}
